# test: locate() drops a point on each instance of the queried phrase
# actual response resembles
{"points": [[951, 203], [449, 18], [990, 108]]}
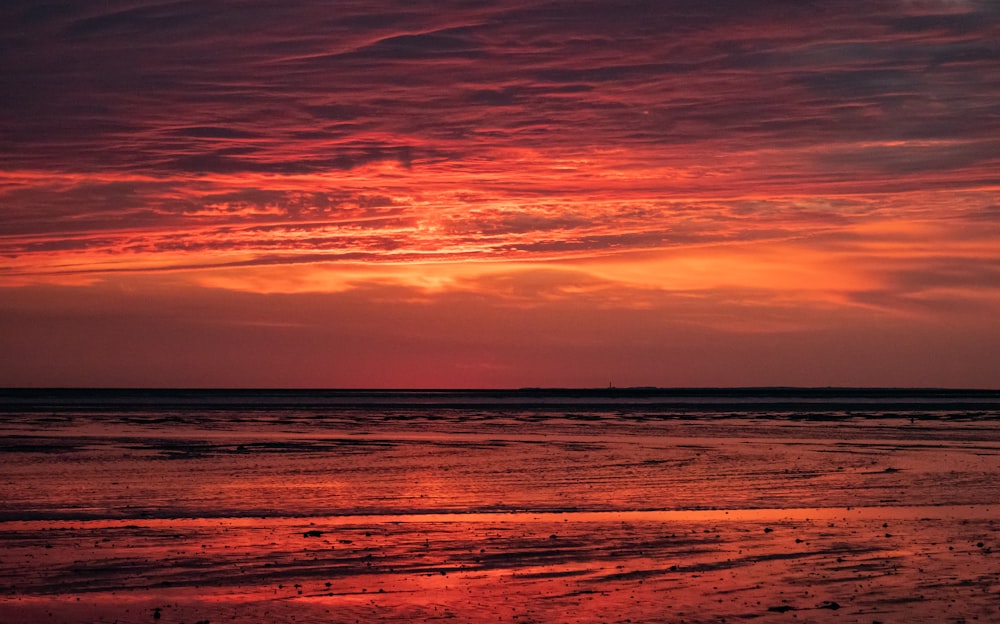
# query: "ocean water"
{"points": [[532, 505]]}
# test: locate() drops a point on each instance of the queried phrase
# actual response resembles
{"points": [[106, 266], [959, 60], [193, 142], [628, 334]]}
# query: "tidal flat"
{"points": [[507, 508]]}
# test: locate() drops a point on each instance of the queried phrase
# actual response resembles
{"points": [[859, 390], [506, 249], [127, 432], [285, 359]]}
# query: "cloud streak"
{"points": [[621, 154]]}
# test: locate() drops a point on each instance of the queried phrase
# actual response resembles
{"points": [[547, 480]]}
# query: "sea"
{"points": [[529, 505]]}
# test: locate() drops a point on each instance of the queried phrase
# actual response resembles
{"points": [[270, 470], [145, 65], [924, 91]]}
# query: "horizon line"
{"points": [[604, 389]]}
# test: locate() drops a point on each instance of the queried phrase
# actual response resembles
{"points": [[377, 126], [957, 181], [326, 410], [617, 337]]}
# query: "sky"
{"points": [[466, 194]]}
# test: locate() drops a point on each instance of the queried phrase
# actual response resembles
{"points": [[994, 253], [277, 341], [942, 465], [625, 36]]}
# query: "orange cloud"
{"points": [[768, 169]]}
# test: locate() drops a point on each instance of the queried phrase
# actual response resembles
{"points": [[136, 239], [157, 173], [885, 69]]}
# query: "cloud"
{"points": [[173, 86], [135, 332], [624, 156]]}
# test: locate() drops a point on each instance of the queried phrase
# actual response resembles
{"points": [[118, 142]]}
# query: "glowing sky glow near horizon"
{"points": [[465, 194]]}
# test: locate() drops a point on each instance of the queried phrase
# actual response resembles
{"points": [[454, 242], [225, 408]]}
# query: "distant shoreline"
{"points": [[723, 400]]}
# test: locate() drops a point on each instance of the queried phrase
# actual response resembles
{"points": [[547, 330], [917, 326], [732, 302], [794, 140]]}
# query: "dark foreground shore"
{"points": [[808, 565], [410, 513]]}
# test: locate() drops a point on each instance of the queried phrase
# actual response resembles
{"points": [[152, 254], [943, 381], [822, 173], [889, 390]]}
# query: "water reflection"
{"points": [[410, 515]]}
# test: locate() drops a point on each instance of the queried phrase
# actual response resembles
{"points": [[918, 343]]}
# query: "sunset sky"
{"points": [[378, 193]]}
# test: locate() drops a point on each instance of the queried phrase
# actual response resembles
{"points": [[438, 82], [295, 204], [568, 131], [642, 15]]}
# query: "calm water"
{"points": [[616, 505]]}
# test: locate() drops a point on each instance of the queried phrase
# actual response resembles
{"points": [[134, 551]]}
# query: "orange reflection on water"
{"points": [[410, 513]]}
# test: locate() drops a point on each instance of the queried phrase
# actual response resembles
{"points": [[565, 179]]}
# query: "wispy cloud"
{"points": [[622, 154]]}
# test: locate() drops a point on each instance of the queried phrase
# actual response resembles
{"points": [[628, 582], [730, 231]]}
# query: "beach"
{"points": [[637, 507]]}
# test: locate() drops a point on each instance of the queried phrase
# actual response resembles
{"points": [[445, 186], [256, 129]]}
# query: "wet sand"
{"points": [[500, 514]]}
